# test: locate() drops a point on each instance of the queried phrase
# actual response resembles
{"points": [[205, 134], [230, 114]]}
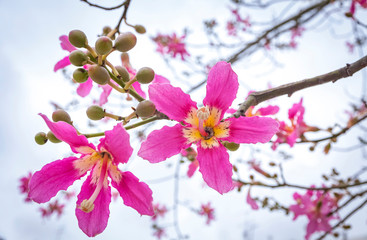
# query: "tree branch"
{"points": [[288, 89], [104, 8]]}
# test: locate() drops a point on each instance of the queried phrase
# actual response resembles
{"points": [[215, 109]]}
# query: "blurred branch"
{"points": [[288, 89], [105, 8]]}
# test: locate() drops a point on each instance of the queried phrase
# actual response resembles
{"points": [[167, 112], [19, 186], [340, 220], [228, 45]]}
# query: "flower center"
{"points": [[88, 204]]}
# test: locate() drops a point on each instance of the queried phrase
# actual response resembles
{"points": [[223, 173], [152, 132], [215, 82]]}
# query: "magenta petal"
{"points": [[160, 79], [135, 194], [251, 201], [192, 168], [117, 143], [52, 178], [269, 110], [94, 222], [170, 100], [105, 94], [251, 129], [296, 112], [62, 63], [67, 133], [65, 44], [137, 87], [85, 88], [163, 143], [222, 86], [215, 167]]}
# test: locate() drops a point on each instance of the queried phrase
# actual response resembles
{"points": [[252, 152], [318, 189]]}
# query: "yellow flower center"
{"points": [[204, 127]]}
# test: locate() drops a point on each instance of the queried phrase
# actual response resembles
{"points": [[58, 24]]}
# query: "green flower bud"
{"points": [[52, 137], [145, 109], [78, 58], [145, 75], [95, 112], [103, 45], [40, 138], [140, 29], [61, 115], [106, 30], [99, 74], [125, 41], [231, 146], [78, 38], [80, 75], [123, 73]]}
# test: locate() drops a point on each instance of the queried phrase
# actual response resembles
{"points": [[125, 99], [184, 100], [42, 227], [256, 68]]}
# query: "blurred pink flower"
{"points": [[171, 44], [251, 201], [54, 207], [24, 186], [208, 211], [159, 211]]}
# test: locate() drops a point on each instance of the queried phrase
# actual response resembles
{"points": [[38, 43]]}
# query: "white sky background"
{"points": [[29, 48]]}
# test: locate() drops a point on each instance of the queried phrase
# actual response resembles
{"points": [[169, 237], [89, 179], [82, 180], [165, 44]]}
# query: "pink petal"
{"points": [[269, 110], [215, 167], [135, 194], [192, 168], [85, 88], [62, 63], [251, 201], [67, 133], [296, 112], [160, 79], [105, 94], [170, 100], [94, 222], [137, 87], [163, 143], [231, 110], [52, 178], [252, 129], [65, 44], [117, 143], [222, 86]]}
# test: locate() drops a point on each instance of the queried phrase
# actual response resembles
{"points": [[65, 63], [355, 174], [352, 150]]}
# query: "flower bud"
{"points": [[80, 75], [231, 146], [40, 138], [78, 58], [103, 45], [61, 115], [106, 30], [145, 75], [140, 29], [99, 74], [78, 38], [145, 109], [95, 113], [52, 137], [125, 41], [123, 73]]}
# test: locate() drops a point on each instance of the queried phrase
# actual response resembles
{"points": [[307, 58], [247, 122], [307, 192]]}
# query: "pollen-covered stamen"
{"points": [[88, 204], [202, 114]]}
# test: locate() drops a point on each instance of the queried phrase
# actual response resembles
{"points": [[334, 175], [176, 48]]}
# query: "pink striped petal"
{"points": [[67, 133], [192, 168], [52, 178], [65, 44], [94, 222], [170, 100], [215, 167], [269, 110], [135, 194], [117, 143], [222, 86], [160, 79], [163, 143], [85, 88], [103, 99], [62, 63], [251, 129], [137, 87]]}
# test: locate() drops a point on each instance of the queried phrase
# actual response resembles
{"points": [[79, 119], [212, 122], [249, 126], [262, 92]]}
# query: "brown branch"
{"points": [[288, 89], [104, 8]]}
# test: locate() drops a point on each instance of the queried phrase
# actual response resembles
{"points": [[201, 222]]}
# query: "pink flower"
{"points": [[159, 232], [256, 166], [66, 45], [317, 206], [352, 9], [205, 126], [350, 46], [208, 211], [251, 201], [171, 44], [295, 32], [237, 23], [231, 28], [24, 186], [159, 211], [94, 198], [54, 207]]}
